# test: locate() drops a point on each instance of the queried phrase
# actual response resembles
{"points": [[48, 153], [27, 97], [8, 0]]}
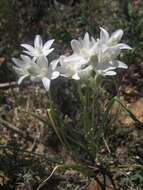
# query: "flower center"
{"points": [[69, 68], [94, 58], [33, 70]]}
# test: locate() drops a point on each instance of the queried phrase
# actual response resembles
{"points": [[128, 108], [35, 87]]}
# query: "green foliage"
{"points": [[88, 134], [133, 180], [131, 19]]}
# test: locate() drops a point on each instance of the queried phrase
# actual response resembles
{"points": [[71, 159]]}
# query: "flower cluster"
{"points": [[89, 56], [35, 64]]}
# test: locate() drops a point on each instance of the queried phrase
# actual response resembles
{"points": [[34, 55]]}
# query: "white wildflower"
{"points": [[112, 41], [76, 65], [47, 72], [86, 47], [71, 67], [99, 55], [40, 70], [107, 52], [25, 67], [39, 49]]}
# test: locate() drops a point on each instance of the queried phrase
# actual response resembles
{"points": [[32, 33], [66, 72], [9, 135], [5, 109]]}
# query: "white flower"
{"points": [[25, 67], [85, 73], [37, 67], [76, 65], [39, 50], [47, 72], [108, 50], [99, 55], [107, 61], [71, 67], [107, 41], [86, 47], [40, 70]]}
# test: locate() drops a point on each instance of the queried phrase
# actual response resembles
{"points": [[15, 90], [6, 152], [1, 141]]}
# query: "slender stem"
{"points": [[86, 111], [106, 145], [54, 126], [95, 87], [58, 129]]}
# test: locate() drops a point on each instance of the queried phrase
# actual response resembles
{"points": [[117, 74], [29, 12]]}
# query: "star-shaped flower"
{"points": [[73, 67], [40, 70], [107, 52], [98, 55], [39, 49], [86, 47]]}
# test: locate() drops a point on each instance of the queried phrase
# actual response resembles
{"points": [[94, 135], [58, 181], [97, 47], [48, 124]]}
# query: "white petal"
{"points": [[18, 70], [75, 46], [62, 70], [28, 47], [47, 51], [68, 60], [21, 79], [75, 76], [33, 78], [111, 53], [55, 75], [74, 59], [110, 73], [84, 73], [120, 64], [93, 40], [54, 64], [38, 42], [86, 40], [64, 75], [42, 61], [46, 83], [93, 43], [117, 35], [48, 44], [61, 59], [30, 53], [18, 62], [104, 67], [26, 58], [122, 46], [104, 35]]}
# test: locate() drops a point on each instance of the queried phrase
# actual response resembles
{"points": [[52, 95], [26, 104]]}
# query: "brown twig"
{"points": [[16, 130], [7, 85], [11, 127]]}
